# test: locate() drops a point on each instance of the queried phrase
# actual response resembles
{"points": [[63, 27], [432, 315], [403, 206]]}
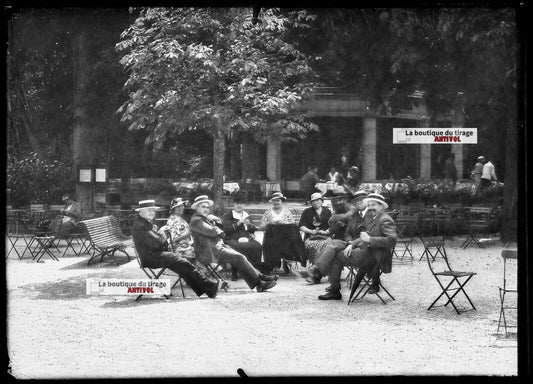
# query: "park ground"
{"points": [[56, 331]]}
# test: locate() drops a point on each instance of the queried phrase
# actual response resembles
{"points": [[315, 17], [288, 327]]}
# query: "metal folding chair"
{"points": [[433, 247], [456, 284], [507, 256], [153, 275], [214, 273], [358, 293], [405, 225], [478, 224]]}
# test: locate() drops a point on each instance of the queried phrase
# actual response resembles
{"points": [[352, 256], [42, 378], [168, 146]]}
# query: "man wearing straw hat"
{"points": [[210, 247], [372, 249], [151, 245]]}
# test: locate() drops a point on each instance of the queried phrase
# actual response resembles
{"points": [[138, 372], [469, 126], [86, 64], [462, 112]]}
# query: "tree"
{"points": [[463, 59], [213, 69]]}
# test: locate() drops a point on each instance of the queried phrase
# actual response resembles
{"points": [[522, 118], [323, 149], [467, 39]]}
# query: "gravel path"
{"points": [[56, 331]]}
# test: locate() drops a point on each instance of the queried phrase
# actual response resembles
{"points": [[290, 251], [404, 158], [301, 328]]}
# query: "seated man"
{"points": [[240, 234], [352, 221], [210, 247], [377, 241], [151, 244]]}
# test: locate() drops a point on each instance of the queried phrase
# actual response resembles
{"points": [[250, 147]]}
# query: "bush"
{"points": [[32, 180]]}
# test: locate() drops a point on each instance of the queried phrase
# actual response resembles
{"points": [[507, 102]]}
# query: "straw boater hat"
{"points": [[143, 204], [481, 157], [354, 169], [277, 196], [377, 198], [201, 199], [358, 196], [176, 203], [66, 197], [316, 196]]}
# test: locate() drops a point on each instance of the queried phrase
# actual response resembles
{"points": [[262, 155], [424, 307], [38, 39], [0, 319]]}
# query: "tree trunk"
{"points": [[83, 147], [509, 222], [219, 151]]}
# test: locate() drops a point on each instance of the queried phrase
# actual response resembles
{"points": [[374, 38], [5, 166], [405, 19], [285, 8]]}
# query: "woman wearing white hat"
{"points": [[314, 224], [278, 213], [180, 233]]}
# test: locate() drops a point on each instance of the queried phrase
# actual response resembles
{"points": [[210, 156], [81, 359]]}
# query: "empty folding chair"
{"points": [[478, 224], [507, 287], [450, 281], [404, 242], [433, 247], [156, 273]]}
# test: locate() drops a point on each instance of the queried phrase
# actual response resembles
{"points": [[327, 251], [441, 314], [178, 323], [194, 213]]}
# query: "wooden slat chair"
{"points": [[456, 284], [156, 273], [504, 289], [106, 238]]}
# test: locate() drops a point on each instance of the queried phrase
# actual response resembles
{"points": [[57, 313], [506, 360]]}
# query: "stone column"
{"points": [[274, 159], [425, 154], [368, 171], [458, 121]]}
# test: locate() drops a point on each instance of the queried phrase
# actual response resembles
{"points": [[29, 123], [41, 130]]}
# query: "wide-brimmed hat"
{"points": [[201, 199], [66, 196], [143, 204], [277, 196], [358, 196], [377, 198], [176, 203], [481, 157], [353, 168], [316, 196]]}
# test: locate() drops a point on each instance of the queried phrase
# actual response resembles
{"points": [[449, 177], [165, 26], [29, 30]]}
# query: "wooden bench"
{"points": [[105, 237]]}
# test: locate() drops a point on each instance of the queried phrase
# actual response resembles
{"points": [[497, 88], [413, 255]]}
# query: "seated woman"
{"points": [[314, 224], [240, 234], [69, 217], [282, 238], [178, 231]]}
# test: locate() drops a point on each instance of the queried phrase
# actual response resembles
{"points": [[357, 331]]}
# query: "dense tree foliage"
{"points": [[212, 69]]}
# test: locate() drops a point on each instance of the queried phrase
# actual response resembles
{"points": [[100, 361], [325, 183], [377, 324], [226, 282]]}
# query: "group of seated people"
{"points": [[358, 233]]}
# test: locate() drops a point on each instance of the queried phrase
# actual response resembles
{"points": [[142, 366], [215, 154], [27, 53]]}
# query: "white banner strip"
{"points": [[434, 135], [127, 286]]}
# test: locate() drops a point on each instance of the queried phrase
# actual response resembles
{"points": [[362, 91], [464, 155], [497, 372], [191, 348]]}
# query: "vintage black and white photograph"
{"points": [[252, 191]]}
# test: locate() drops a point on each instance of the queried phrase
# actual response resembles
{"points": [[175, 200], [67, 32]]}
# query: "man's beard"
{"points": [[372, 212]]}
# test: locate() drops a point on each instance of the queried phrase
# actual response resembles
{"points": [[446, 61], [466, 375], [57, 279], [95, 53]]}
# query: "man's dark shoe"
{"points": [[332, 295], [313, 279], [268, 277], [264, 285], [212, 289]]}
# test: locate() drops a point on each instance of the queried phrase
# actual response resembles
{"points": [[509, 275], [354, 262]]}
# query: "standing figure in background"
{"points": [[477, 172], [488, 175], [309, 180], [353, 180], [335, 176], [450, 171]]}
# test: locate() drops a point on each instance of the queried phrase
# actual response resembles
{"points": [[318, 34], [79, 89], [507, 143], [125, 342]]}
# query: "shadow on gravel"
{"points": [[70, 289], [108, 262]]}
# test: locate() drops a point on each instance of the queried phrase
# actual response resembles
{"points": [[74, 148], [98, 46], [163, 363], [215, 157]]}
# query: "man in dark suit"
{"points": [[210, 247], [372, 249], [151, 245]]}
